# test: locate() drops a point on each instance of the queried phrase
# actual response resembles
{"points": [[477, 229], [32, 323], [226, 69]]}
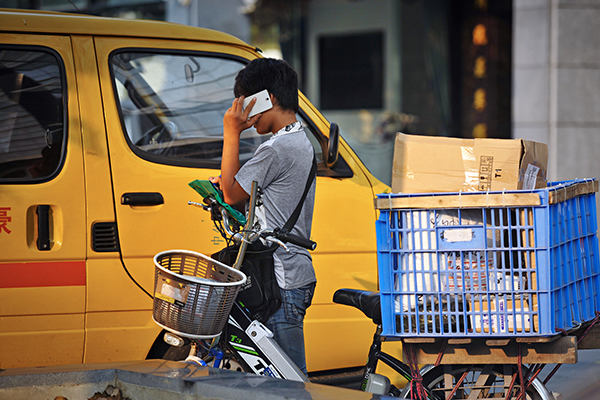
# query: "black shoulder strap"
{"points": [[294, 217]]}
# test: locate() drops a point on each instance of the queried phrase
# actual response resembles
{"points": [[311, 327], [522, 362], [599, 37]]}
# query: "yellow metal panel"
{"points": [[27, 341], [336, 336], [119, 336], [344, 219], [343, 271], [35, 323], [42, 300], [110, 289], [174, 222], [347, 330]]}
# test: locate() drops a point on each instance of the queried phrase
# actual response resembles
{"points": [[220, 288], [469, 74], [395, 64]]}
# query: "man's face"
{"points": [[264, 124]]}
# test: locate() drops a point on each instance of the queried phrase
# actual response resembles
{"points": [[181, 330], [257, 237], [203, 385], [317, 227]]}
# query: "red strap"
{"points": [[512, 385], [520, 369], [417, 391], [441, 353], [460, 381]]}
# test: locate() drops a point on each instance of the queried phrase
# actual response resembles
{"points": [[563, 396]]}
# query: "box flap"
{"points": [[533, 165]]}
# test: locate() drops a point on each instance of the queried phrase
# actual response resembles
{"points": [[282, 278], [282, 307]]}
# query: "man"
{"points": [[281, 167]]}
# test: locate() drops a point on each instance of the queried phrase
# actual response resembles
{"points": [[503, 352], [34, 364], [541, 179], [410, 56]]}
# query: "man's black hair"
{"points": [[277, 76]]}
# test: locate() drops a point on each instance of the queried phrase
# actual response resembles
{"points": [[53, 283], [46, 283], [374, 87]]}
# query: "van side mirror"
{"points": [[334, 140]]}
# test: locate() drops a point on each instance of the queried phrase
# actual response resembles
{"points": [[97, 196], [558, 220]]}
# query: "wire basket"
{"points": [[193, 294]]}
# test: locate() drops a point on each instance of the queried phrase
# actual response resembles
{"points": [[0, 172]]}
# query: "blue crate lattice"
{"points": [[492, 270]]}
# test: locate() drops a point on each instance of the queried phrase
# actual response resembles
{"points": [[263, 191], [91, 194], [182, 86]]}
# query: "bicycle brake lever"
{"points": [[193, 203], [279, 242]]}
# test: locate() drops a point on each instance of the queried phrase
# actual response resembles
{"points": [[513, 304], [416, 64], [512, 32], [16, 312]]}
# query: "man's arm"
{"points": [[234, 122]]}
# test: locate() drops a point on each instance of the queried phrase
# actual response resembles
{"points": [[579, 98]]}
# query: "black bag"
{"points": [[260, 294]]}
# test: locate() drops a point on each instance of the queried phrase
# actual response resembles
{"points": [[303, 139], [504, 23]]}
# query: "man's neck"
{"points": [[283, 120]]}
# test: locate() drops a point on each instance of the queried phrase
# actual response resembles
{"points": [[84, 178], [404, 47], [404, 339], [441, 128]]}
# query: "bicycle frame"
{"points": [[376, 355], [254, 347]]}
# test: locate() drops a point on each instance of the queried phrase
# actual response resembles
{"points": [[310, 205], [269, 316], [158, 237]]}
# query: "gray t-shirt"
{"points": [[281, 166]]}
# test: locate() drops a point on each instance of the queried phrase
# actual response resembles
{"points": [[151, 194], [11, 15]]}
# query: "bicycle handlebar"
{"points": [[287, 237]]}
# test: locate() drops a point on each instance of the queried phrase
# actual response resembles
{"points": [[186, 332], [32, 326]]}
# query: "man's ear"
{"points": [[274, 100]]}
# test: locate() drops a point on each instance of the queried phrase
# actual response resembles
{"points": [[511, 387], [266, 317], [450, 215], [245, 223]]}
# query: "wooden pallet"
{"points": [[534, 350], [496, 351]]}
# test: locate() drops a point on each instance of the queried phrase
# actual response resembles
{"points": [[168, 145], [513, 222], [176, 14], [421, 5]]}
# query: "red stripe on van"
{"points": [[38, 274]]}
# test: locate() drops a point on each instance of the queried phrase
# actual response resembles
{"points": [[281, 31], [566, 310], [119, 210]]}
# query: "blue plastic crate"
{"points": [[513, 263]]}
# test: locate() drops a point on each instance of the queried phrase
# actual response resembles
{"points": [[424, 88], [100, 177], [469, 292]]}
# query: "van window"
{"points": [[32, 129], [172, 107]]}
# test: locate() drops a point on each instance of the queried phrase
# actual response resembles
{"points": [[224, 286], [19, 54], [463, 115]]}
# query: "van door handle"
{"points": [[43, 240], [142, 199]]}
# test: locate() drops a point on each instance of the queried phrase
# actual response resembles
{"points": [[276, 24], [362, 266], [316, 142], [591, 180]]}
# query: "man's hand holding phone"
{"points": [[245, 112], [236, 119], [263, 103]]}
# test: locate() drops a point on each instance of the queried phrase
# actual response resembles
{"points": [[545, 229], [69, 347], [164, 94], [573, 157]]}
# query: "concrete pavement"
{"points": [[159, 380]]}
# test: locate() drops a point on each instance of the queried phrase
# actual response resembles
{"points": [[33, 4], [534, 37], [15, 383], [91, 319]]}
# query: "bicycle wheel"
{"points": [[479, 382]]}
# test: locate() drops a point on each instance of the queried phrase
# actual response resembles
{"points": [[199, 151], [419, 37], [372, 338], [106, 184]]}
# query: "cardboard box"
{"points": [[499, 314], [424, 164]]}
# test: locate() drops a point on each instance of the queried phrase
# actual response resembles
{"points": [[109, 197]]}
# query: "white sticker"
{"points": [[171, 290], [530, 178], [458, 235]]}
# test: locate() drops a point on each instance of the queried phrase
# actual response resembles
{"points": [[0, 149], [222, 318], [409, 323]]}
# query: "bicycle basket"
{"points": [[193, 294]]}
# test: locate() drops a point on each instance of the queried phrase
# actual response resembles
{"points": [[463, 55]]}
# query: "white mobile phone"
{"points": [[263, 103]]}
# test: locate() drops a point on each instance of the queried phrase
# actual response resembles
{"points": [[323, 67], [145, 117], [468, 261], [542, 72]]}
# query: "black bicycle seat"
{"points": [[367, 302]]}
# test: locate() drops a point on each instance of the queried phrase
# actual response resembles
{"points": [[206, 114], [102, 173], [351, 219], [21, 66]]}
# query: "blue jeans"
{"points": [[287, 324]]}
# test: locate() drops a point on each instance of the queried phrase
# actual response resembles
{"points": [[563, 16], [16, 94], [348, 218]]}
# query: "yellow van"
{"points": [[103, 123]]}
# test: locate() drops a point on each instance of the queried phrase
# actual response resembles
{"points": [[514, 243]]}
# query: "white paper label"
{"points": [[458, 235]]}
